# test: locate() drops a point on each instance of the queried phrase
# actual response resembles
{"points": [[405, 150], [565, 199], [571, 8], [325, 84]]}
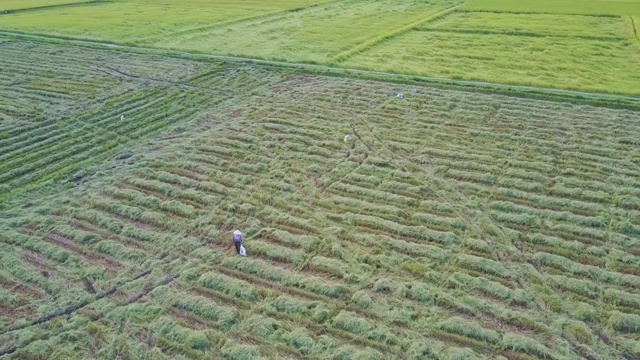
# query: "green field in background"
{"points": [[311, 35], [615, 28], [589, 53], [581, 7], [28, 4], [122, 21], [577, 45]]}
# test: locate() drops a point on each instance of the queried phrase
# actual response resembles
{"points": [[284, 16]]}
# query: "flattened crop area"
{"points": [[449, 224], [65, 108]]}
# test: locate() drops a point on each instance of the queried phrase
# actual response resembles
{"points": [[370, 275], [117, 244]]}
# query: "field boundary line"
{"points": [[377, 40], [635, 29], [520, 34], [601, 99], [537, 13]]}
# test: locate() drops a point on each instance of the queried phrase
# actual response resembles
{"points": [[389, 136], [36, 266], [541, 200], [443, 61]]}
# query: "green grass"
{"points": [[582, 45], [580, 7], [555, 62], [453, 224], [551, 25], [28, 4], [313, 35], [123, 21]]}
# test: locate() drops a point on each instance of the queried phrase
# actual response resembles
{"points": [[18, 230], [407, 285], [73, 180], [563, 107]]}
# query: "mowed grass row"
{"points": [[449, 225]]}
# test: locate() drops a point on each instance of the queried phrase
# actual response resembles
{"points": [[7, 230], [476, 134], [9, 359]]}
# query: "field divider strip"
{"points": [[512, 12], [380, 39], [635, 28], [519, 34], [599, 99]]}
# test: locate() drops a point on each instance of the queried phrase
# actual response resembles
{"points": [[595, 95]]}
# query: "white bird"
{"points": [[121, 117], [346, 138]]}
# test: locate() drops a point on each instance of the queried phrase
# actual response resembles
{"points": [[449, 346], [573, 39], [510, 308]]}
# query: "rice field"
{"points": [[312, 35], [13, 5], [552, 25], [550, 50], [569, 7], [123, 21], [536, 60], [450, 225], [583, 45]]}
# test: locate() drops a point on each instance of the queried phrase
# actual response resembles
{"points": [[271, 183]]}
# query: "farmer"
{"points": [[237, 240]]}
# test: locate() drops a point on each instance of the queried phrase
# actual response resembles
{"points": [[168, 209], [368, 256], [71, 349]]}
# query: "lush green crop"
{"points": [[549, 25], [123, 21], [580, 45], [313, 35], [580, 7], [532, 60], [29, 4]]}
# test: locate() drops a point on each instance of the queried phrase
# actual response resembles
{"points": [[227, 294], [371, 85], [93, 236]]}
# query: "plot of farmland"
{"points": [[29, 4], [123, 21], [451, 225], [64, 109], [525, 54], [312, 35], [572, 7], [587, 27], [579, 45]]}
